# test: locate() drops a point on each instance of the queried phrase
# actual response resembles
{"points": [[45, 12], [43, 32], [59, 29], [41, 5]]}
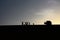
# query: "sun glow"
{"points": [[49, 14]]}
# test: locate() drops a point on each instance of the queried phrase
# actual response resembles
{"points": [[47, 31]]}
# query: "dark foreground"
{"points": [[30, 28]]}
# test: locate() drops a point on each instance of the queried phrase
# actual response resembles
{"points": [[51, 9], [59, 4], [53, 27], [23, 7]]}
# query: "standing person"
{"points": [[22, 23], [26, 23]]}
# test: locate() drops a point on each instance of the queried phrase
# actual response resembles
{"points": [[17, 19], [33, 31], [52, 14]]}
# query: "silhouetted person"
{"points": [[48, 23], [22, 23], [26, 23]]}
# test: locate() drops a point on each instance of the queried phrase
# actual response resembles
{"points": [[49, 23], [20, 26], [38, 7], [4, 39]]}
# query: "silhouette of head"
{"points": [[48, 23]]}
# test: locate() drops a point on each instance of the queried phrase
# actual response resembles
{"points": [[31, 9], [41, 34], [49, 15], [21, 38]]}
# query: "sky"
{"points": [[13, 12]]}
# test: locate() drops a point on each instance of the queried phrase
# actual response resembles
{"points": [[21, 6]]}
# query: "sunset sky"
{"points": [[13, 12]]}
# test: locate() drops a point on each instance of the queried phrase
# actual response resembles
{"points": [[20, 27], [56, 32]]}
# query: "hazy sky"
{"points": [[13, 12]]}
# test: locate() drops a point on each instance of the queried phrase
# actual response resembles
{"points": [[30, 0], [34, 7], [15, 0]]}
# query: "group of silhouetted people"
{"points": [[25, 23], [46, 23]]}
